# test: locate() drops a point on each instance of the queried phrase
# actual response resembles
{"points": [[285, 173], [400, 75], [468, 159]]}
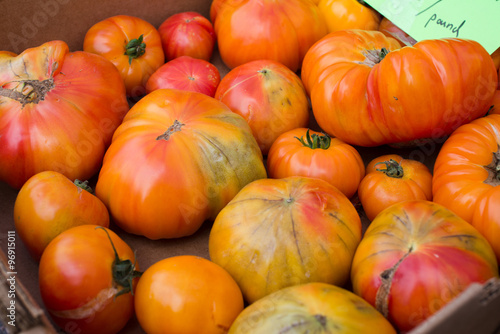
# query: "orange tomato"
{"points": [[391, 179], [50, 203], [86, 277], [415, 257], [132, 44], [187, 294], [349, 14], [311, 308], [302, 152], [282, 232]]}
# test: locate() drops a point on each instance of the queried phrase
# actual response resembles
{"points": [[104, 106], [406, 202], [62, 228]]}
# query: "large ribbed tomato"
{"points": [[415, 257], [282, 232], [176, 160], [280, 30], [368, 91], [466, 176], [58, 111]]}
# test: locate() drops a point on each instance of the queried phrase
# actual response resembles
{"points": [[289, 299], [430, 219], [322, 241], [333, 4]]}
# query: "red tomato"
{"points": [[495, 105], [186, 73], [415, 257], [251, 30], [131, 44], [301, 152], [86, 277], [48, 204], [269, 96], [58, 111], [187, 34], [187, 294]]}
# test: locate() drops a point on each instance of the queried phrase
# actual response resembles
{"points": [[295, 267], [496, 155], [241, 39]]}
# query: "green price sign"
{"points": [[478, 20]]}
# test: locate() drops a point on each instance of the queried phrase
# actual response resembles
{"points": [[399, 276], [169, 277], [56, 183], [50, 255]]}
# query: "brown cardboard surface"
{"points": [[30, 23]]}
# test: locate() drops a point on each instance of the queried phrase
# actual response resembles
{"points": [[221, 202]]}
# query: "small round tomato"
{"points": [[187, 34], [391, 179], [349, 14], [86, 277], [50, 203], [186, 73], [187, 294], [131, 44], [301, 152]]}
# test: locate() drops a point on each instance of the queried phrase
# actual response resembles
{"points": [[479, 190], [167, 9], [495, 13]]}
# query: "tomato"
{"points": [[186, 73], [132, 44], [415, 257], [176, 160], [349, 14], [58, 111], [281, 232], [269, 96], [391, 179], [495, 105], [187, 34], [86, 277], [388, 28], [251, 30], [50, 203], [187, 294], [368, 91], [466, 176], [302, 152], [311, 308]]}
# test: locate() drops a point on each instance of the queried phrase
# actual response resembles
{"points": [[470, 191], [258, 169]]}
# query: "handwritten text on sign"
{"points": [[428, 19]]}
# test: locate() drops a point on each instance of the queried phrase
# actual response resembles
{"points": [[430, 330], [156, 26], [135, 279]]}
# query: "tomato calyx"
{"points": [[28, 91], [494, 170], [84, 185], [315, 141], [171, 129], [374, 56], [392, 169], [135, 48], [123, 270]]}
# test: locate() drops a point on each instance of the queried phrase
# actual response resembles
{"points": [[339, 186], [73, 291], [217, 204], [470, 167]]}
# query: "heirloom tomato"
{"points": [[187, 34], [302, 152], [87, 275], [495, 105], [368, 91], [58, 111], [415, 257], [187, 294], [466, 176], [269, 96], [50, 203], [389, 29], [311, 308], [349, 14], [280, 30], [281, 232], [391, 179], [186, 73], [176, 160], [132, 44]]}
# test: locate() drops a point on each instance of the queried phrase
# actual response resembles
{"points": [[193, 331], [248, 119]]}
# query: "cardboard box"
{"points": [[30, 23]]}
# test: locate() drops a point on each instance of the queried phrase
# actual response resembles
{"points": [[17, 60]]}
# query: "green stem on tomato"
{"points": [[392, 169], [84, 185], [135, 48], [315, 141]]}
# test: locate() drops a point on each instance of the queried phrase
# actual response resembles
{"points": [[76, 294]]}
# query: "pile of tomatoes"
{"points": [[269, 155]]}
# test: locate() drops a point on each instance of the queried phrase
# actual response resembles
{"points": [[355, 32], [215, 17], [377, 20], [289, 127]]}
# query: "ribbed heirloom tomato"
{"points": [[50, 203], [367, 90], [176, 160], [58, 111], [302, 152]]}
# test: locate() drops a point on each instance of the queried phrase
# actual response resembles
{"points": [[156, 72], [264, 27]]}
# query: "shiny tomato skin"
{"points": [[110, 38], [187, 34], [76, 281], [340, 164], [50, 203], [348, 14], [65, 126], [187, 294], [186, 73]]}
